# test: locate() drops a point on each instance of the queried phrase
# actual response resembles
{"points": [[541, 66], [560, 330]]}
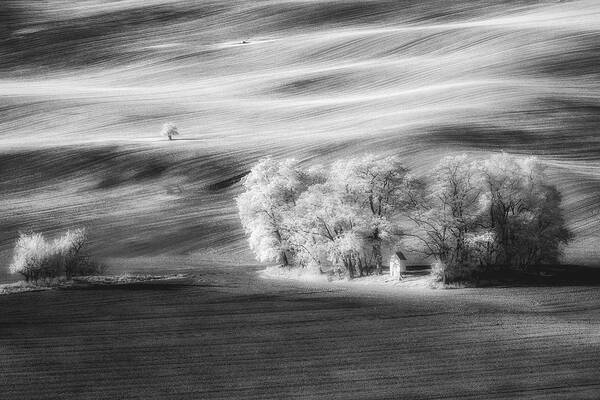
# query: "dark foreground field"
{"points": [[229, 334]]}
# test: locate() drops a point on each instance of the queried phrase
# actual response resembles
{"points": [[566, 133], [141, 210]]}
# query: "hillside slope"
{"points": [[93, 81]]}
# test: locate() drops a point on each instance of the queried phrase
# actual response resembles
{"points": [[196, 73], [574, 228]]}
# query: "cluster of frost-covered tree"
{"points": [[467, 214], [342, 215], [37, 258], [496, 212]]}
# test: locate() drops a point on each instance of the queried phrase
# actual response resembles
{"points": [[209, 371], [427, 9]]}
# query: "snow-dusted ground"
{"points": [[380, 283]]}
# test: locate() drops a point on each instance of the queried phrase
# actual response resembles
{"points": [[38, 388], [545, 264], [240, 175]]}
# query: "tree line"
{"points": [[468, 215]]}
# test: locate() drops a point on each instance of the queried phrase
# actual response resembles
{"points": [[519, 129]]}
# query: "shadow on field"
{"points": [[559, 275], [538, 276], [496, 138], [225, 183]]}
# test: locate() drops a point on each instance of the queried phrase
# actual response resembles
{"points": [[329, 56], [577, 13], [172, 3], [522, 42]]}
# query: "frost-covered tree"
{"points": [[349, 212], [468, 215], [341, 215], [497, 212], [30, 256], [169, 130], [324, 227], [69, 247], [270, 191], [449, 211], [524, 211], [379, 189], [36, 258]]}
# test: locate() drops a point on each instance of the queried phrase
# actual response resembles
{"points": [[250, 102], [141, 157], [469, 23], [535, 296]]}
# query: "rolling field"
{"points": [[227, 334], [84, 89], [86, 85]]}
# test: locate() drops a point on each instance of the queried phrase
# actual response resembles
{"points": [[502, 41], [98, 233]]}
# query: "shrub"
{"points": [[68, 248], [458, 273], [37, 258], [88, 267], [32, 257]]}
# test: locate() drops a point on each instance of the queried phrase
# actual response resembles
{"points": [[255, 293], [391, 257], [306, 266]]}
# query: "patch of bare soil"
{"points": [[228, 333]]}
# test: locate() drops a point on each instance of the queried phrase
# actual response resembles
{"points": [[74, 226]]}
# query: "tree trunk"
{"points": [[170, 138], [348, 265], [378, 257], [283, 255], [284, 258]]}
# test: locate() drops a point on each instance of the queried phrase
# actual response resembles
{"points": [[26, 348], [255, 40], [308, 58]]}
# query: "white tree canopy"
{"points": [[498, 211], [271, 189], [169, 130], [468, 213]]}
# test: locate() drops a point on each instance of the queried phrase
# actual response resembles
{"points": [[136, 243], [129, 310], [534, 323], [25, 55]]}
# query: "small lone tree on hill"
{"points": [[169, 130]]}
